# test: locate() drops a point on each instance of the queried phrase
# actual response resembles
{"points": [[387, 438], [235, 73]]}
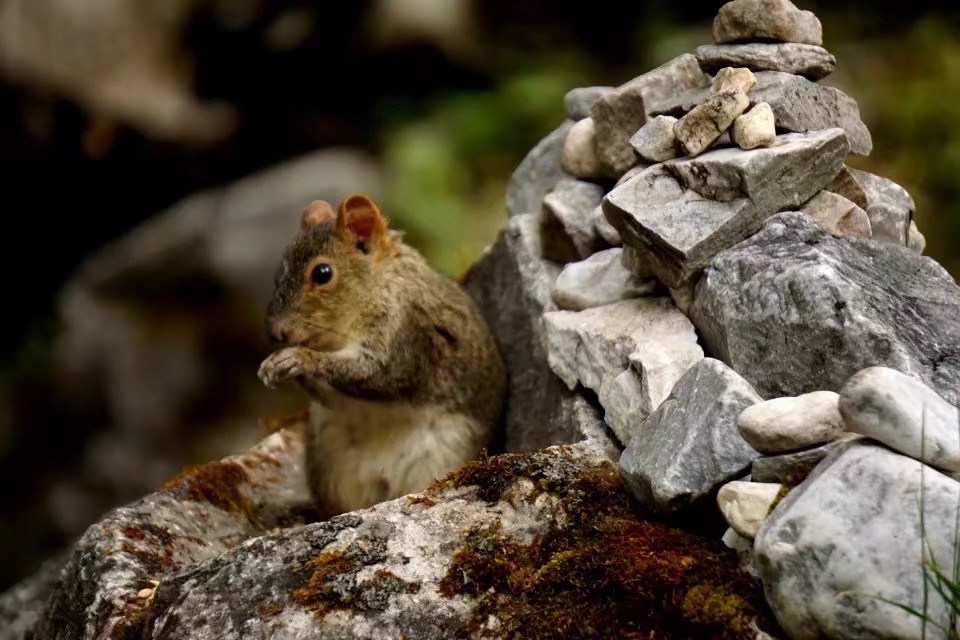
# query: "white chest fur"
{"points": [[361, 453]]}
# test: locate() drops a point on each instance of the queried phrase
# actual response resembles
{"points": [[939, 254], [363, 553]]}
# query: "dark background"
{"points": [[445, 96]]}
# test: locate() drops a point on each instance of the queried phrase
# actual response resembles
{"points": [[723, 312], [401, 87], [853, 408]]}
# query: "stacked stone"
{"points": [[696, 254]]}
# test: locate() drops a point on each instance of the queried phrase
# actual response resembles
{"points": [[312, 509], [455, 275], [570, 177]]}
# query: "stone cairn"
{"points": [[684, 205], [696, 299]]}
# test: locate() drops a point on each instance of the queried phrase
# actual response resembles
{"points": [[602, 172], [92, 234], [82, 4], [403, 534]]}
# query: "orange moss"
{"points": [[317, 595], [216, 483]]}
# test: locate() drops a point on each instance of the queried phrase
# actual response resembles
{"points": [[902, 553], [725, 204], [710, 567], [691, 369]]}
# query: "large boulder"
{"points": [[796, 309], [845, 551], [508, 546]]}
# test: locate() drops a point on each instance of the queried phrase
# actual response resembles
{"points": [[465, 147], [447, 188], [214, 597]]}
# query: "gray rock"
{"points": [[659, 85], [755, 128], [578, 102], [806, 60], [655, 141], [845, 544], [598, 280], [682, 213], [781, 20], [798, 310], [22, 606], [579, 155], [846, 185], [644, 337], [787, 424], [569, 233], [915, 240], [731, 78], [839, 215], [745, 504], [511, 284], [538, 173], [793, 468], [604, 229], [798, 104], [689, 446], [903, 414], [705, 123], [889, 207]]}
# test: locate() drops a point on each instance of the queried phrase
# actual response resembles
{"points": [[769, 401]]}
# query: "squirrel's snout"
{"points": [[278, 331]]}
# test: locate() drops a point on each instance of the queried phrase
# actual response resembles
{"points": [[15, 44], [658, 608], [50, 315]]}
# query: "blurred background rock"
{"points": [[157, 153]]}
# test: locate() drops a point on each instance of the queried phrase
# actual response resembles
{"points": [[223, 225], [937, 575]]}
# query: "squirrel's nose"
{"points": [[278, 331]]}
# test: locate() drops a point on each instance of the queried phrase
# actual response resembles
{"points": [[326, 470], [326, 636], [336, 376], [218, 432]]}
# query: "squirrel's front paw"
{"points": [[283, 365]]}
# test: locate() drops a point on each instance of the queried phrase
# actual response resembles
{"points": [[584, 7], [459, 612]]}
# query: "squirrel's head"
{"points": [[328, 273]]}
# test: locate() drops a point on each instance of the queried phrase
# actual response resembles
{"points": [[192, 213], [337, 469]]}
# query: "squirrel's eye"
{"points": [[322, 273]]}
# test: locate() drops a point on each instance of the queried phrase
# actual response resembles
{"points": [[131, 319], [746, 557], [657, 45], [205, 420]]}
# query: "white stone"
{"points": [[646, 337], [903, 414], [915, 239], [788, 424], [745, 505], [840, 216], [655, 141], [847, 542], [730, 78], [598, 280], [579, 157], [755, 128]]}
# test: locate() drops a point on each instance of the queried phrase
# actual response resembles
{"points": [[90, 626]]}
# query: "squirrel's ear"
{"points": [[317, 212], [360, 216]]}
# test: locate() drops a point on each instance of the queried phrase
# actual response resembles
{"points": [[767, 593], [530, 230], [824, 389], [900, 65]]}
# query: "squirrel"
{"points": [[406, 380]]}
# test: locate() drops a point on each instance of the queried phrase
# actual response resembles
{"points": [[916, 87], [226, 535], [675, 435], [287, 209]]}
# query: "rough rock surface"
{"points": [[846, 185], [631, 351], [600, 279], [915, 239], [655, 141], [847, 542], [689, 446], [787, 424], [793, 468], [616, 117], [745, 505], [806, 60], [731, 78], [798, 105], [578, 102], [579, 155], [569, 233], [755, 128], [490, 550], [839, 215], [677, 75], [511, 285], [781, 20], [683, 212], [798, 310], [706, 122], [889, 206], [538, 173], [903, 414]]}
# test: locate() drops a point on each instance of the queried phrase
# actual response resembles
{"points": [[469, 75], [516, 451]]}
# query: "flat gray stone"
{"points": [[787, 424], [690, 446], [578, 102], [793, 468], [904, 414], [606, 230], [538, 173], [743, 20], [889, 207], [707, 121], [511, 284], [600, 279], [659, 85], [797, 309], [655, 141], [683, 212], [629, 353], [798, 104], [806, 60], [839, 215], [847, 542], [569, 233]]}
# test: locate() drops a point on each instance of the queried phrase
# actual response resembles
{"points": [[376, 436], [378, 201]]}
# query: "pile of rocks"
{"points": [[703, 310]]}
